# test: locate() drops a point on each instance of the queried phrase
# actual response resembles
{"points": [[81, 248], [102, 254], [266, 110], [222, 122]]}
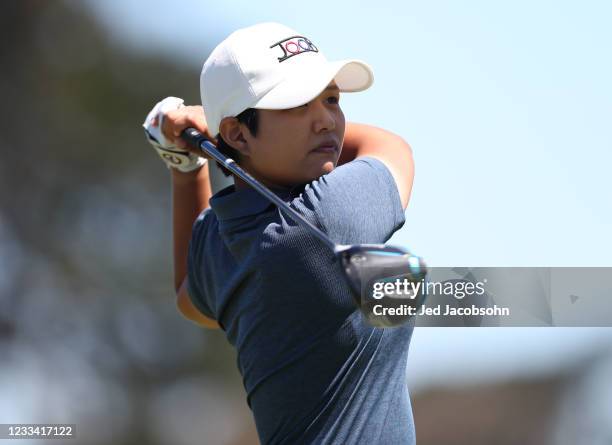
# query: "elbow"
{"points": [[187, 309], [404, 145]]}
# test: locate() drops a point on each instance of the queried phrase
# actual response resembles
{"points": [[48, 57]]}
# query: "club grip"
{"points": [[193, 137]]}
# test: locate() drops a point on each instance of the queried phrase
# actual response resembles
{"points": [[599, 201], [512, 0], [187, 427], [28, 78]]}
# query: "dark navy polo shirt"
{"points": [[314, 371]]}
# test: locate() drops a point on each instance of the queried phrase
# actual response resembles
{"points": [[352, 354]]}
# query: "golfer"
{"points": [[314, 371]]}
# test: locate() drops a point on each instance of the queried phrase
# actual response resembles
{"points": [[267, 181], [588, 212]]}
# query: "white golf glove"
{"points": [[172, 156]]}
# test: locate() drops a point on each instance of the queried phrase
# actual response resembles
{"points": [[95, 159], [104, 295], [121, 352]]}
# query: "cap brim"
{"points": [[303, 86]]}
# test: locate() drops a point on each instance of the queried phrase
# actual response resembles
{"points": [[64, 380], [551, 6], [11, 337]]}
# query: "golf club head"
{"points": [[380, 278]]}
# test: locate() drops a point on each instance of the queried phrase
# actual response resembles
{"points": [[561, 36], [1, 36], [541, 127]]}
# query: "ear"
{"points": [[231, 132]]}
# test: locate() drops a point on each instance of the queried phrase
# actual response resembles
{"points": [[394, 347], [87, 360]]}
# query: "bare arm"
{"points": [[392, 150], [191, 193]]}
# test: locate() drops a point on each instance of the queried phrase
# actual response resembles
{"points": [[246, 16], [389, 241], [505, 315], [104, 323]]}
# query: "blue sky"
{"points": [[507, 106]]}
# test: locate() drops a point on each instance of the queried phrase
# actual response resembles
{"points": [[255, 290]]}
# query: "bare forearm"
{"points": [[362, 139], [190, 195]]}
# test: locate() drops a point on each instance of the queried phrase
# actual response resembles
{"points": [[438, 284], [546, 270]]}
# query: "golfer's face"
{"points": [[299, 144]]}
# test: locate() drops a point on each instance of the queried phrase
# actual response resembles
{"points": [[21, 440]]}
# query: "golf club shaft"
{"points": [[195, 138]]}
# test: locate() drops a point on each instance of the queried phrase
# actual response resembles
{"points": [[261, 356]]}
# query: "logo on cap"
{"points": [[293, 46]]}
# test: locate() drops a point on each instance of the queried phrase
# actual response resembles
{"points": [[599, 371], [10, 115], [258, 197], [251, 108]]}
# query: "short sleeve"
{"points": [[195, 271], [357, 202]]}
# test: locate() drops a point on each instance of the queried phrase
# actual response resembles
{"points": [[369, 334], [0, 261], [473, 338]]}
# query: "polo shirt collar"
{"points": [[230, 203]]}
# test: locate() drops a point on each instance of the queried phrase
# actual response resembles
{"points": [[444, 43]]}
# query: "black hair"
{"points": [[248, 117]]}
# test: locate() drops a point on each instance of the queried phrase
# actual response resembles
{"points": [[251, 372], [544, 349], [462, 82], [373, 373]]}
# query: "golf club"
{"points": [[371, 270]]}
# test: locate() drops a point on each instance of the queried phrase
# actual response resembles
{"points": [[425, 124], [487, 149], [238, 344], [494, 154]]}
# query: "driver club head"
{"points": [[380, 279]]}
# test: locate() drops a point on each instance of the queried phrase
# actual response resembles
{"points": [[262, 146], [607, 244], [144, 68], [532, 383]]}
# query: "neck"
{"points": [[241, 184]]}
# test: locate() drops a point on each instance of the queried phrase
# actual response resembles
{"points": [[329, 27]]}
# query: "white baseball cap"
{"points": [[271, 66]]}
